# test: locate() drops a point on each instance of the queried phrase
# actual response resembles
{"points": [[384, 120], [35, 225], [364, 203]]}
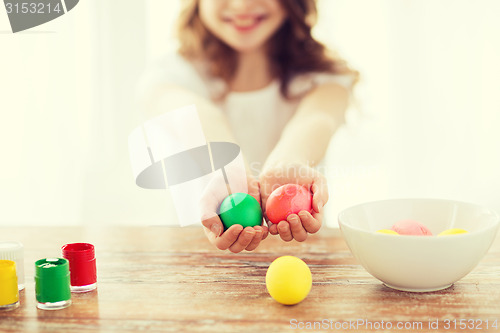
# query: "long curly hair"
{"points": [[292, 49]]}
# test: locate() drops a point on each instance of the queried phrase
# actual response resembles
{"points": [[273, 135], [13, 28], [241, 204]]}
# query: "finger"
{"points": [[311, 224], [319, 189], [318, 217], [298, 231], [256, 239], [243, 240], [214, 224], [284, 231], [210, 235], [265, 232], [208, 207], [229, 237], [273, 228]]}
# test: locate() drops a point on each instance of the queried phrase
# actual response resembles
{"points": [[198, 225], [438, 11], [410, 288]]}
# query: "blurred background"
{"points": [[427, 122]]}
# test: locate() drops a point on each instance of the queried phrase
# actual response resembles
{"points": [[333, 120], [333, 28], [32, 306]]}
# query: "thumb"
{"points": [[319, 190], [213, 224]]}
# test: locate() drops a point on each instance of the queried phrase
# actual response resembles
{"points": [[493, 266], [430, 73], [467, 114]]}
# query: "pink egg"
{"points": [[287, 199], [411, 227]]}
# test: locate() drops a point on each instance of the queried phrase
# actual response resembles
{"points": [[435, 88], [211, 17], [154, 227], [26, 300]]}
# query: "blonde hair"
{"points": [[292, 49]]}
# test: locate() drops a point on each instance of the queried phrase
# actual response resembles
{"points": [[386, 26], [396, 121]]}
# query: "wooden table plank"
{"points": [[168, 279]]}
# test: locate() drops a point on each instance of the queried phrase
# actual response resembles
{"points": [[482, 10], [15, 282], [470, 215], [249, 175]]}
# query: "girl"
{"points": [[258, 79]]}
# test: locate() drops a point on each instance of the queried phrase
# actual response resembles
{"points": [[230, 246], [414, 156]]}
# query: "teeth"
{"points": [[244, 22]]}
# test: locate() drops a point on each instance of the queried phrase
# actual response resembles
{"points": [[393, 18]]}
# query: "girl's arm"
{"points": [[307, 135], [216, 128], [302, 145]]}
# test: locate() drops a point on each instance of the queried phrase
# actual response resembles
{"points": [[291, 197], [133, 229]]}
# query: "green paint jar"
{"points": [[52, 283]]}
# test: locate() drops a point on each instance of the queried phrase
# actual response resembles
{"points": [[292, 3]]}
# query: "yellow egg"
{"points": [[288, 280], [387, 231], [453, 231]]}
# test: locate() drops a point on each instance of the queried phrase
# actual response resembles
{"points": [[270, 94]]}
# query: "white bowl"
{"points": [[418, 263]]}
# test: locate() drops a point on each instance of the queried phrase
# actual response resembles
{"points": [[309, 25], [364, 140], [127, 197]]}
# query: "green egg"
{"points": [[240, 208]]}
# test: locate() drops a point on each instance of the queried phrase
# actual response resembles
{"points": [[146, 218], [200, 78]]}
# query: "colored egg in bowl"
{"points": [[419, 263]]}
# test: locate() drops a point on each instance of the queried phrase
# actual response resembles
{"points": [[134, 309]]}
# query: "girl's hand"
{"points": [[236, 238], [297, 226]]}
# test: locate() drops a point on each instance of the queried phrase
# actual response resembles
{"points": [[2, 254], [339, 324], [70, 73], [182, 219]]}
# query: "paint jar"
{"points": [[52, 283]]}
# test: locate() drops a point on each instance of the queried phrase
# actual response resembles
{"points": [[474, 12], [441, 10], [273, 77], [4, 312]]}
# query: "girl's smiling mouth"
{"points": [[244, 23]]}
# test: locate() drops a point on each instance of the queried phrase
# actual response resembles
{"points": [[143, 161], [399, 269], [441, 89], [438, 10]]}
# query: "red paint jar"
{"points": [[82, 266]]}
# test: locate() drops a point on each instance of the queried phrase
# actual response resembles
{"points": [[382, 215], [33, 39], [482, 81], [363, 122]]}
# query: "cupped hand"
{"points": [[235, 238], [296, 226]]}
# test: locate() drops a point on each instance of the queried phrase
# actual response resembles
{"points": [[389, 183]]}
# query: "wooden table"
{"points": [[157, 279]]}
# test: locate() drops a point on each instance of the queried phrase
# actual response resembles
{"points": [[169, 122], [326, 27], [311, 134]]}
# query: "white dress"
{"points": [[257, 117]]}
